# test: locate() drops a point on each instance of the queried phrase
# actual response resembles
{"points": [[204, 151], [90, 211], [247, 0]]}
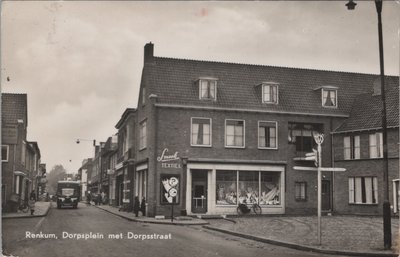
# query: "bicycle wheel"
{"points": [[257, 209], [239, 210], [24, 209]]}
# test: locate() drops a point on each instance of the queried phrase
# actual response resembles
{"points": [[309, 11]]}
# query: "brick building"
{"points": [[123, 171], [358, 147], [211, 135], [20, 158]]}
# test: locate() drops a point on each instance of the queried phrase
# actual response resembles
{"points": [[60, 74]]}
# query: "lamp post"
{"points": [[387, 233], [78, 141]]}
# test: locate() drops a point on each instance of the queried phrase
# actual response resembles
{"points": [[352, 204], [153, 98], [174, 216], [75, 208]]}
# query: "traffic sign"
{"points": [[313, 156]]}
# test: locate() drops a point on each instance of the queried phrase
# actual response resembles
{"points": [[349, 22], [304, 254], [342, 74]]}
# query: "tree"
{"points": [[57, 173]]}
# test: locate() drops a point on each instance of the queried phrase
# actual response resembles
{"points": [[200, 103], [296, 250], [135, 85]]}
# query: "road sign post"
{"points": [[316, 156], [319, 138]]}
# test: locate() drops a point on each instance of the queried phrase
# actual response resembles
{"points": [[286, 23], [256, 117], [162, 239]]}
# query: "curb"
{"points": [[149, 221], [298, 246], [28, 216]]}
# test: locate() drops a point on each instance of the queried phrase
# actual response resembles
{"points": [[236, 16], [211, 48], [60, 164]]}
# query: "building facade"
{"points": [[123, 176], [20, 158], [358, 147], [211, 135]]}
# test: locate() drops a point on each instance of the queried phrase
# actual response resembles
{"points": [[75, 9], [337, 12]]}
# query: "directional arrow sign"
{"points": [[316, 169], [332, 169], [305, 168]]}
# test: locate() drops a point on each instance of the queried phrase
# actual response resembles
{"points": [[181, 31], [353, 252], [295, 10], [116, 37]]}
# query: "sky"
{"points": [[80, 62]]}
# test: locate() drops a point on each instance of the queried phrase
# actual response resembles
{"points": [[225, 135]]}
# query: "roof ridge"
{"points": [[272, 66]]}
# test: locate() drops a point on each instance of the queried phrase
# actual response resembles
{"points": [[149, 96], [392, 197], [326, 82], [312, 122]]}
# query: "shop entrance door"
{"points": [[326, 195], [199, 191]]}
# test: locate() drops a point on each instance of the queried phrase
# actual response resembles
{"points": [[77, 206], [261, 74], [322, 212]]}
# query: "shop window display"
{"points": [[270, 192], [260, 187], [248, 187], [226, 187]]}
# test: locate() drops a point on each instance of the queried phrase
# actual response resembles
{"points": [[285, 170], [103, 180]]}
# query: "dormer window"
{"points": [[270, 93], [329, 97], [208, 89]]}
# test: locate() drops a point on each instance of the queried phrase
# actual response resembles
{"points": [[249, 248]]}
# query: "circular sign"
{"points": [[173, 192], [173, 181]]}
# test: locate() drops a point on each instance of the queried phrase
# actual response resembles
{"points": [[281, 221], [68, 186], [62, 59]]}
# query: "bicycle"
{"points": [[244, 209]]}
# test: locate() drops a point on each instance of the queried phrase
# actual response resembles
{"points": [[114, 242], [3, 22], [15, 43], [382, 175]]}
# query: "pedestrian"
{"points": [[31, 204], [88, 198], [99, 199], [105, 198], [33, 195], [143, 206], [103, 194], [136, 206]]}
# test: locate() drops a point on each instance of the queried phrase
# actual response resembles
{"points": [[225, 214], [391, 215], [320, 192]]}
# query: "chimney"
{"points": [[148, 52], [377, 87]]}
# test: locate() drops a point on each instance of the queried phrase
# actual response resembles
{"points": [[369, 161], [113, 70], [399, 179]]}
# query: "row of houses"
{"points": [[206, 136], [22, 171]]}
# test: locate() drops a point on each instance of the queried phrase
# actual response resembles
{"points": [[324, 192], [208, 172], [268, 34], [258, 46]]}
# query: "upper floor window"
{"points": [[329, 97], [4, 153], [270, 93], [201, 132], [363, 190], [142, 135], [351, 147], [234, 133], [23, 153], [267, 135], [143, 96], [208, 89], [301, 134], [375, 145]]}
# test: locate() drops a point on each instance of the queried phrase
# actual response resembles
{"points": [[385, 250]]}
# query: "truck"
{"points": [[68, 194]]}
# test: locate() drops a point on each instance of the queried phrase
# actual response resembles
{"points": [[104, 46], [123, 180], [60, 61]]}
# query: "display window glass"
{"points": [[270, 191], [248, 187], [226, 186]]}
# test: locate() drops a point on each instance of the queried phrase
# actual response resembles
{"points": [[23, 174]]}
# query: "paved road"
{"points": [[186, 241]]}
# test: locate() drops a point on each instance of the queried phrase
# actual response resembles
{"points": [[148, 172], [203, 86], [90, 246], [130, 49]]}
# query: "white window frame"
{"points": [[264, 86], [8, 152], [143, 95], [23, 153], [208, 80], [276, 135], [301, 185], [191, 132], [378, 152], [351, 147], [244, 134], [143, 135], [336, 97], [354, 190]]}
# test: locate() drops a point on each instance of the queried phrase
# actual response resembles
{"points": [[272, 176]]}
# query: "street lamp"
{"points": [[387, 232], [78, 141]]}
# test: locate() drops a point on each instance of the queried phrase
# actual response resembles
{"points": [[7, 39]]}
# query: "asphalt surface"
{"points": [[185, 240]]}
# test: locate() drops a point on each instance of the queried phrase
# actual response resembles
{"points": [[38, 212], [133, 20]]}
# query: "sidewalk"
{"points": [[347, 235], [181, 220], [41, 209]]}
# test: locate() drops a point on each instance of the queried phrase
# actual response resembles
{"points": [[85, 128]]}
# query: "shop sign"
{"points": [[169, 189], [169, 160]]}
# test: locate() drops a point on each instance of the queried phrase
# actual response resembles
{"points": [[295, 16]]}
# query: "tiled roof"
{"points": [[14, 108], [366, 112], [173, 81]]}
